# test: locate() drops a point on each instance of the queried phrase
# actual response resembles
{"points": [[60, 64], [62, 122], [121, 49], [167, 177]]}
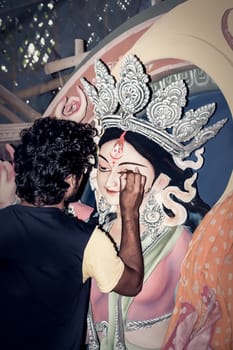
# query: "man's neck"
{"points": [[58, 206]]}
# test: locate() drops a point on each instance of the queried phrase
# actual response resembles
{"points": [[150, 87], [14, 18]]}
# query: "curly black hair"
{"points": [[49, 151]]}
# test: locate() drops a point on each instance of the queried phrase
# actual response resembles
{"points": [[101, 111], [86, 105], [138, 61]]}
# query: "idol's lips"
{"points": [[111, 192]]}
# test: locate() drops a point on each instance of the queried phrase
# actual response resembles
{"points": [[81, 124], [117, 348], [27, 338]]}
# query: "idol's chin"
{"points": [[113, 199]]}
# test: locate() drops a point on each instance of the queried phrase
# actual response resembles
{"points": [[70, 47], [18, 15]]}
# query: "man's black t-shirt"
{"points": [[43, 302]]}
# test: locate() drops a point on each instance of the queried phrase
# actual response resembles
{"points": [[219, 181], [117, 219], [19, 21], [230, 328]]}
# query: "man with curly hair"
{"points": [[47, 257]]}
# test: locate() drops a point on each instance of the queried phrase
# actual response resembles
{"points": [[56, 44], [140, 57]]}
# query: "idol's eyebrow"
{"points": [[124, 163], [131, 163], [103, 158]]}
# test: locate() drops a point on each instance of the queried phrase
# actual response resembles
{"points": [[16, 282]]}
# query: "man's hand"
{"points": [[132, 186]]}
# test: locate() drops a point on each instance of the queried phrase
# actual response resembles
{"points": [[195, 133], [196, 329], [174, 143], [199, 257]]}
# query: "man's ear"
{"points": [[70, 180]]}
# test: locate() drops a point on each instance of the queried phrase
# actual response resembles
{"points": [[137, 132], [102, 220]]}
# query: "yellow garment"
{"points": [[101, 262], [203, 314]]}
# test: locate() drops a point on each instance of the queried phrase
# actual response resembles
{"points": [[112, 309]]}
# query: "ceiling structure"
{"points": [[34, 34], [41, 44]]}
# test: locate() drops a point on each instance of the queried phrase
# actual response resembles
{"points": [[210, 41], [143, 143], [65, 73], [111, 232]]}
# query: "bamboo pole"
{"points": [[12, 117], [64, 63], [42, 88], [11, 132], [68, 62], [18, 104]]}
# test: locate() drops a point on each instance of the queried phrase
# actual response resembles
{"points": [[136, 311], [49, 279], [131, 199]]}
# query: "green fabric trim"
{"points": [[130, 346], [154, 256]]}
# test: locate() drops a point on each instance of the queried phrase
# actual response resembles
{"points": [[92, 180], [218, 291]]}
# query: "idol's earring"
{"points": [[103, 209], [152, 216]]}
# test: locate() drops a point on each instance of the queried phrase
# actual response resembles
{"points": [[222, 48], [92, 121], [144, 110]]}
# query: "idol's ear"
{"points": [[164, 196], [160, 183]]}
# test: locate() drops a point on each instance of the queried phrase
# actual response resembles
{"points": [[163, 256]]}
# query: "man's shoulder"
{"points": [[8, 209]]}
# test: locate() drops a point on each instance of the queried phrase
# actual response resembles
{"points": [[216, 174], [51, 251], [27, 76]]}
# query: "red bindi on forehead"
{"points": [[118, 148]]}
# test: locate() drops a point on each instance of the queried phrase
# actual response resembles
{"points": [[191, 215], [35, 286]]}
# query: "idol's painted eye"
{"points": [[103, 169]]}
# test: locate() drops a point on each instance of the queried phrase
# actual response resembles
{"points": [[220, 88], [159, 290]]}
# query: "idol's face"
{"points": [[111, 168]]}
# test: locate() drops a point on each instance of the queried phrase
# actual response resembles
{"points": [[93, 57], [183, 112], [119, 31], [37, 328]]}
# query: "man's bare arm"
{"points": [[7, 180], [130, 252]]}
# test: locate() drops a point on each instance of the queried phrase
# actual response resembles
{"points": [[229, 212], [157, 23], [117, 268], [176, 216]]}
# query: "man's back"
{"points": [[43, 297], [45, 255]]}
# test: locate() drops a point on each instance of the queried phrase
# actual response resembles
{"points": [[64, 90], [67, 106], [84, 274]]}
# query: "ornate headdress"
{"points": [[165, 124], [162, 120]]}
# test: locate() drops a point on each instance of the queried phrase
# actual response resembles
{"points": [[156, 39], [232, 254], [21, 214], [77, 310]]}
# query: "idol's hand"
{"points": [[7, 181], [132, 185]]}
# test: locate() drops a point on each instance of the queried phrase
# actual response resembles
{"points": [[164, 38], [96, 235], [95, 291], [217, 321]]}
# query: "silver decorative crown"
{"points": [[165, 123]]}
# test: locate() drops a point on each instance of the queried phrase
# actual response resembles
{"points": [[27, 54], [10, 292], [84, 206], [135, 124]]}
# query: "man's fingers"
{"points": [[133, 180], [123, 179], [138, 179], [130, 179], [143, 181]]}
